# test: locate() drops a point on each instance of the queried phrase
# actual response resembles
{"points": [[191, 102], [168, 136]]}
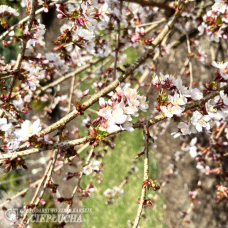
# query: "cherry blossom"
{"points": [[200, 121], [28, 129], [196, 94], [223, 69], [7, 9], [212, 111], [117, 112]]}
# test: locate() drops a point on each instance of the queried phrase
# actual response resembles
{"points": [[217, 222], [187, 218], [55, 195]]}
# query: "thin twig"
{"points": [[71, 94], [38, 181], [189, 57], [146, 177], [23, 47], [63, 121], [44, 181], [9, 115], [79, 180], [117, 42], [189, 106]]}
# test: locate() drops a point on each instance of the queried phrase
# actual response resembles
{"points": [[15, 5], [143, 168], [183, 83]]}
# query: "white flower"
{"points": [[39, 35], [167, 79], [202, 28], [28, 129], [155, 81], [119, 190], [84, 33], [201, 167], [3, 123], [37, 72], [33, 82], [143, 104], [8, 129], [103, 11], [87, 169], [177, 99], [132, 96], [112, 128], [19, 104], [118, 116], [219, 6], [196, 94], [10, 10], [171, 110], [28, 98], [200, 121], [130, 110], [105, 112], [182, 89], [57, 61], [213, 111], [95, 164], [128, 126], [184, 130], [223, 69]]}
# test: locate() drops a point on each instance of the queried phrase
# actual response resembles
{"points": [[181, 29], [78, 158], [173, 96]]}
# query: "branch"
{"points": [[71, 94], [189, 57], [63, 121], [152, 26], [114, 84], [79, 180], [38, 181], [23, 47], [69, 75], [189, 106], [9, 115], [146, 177], [117, 43], [43, 183]]}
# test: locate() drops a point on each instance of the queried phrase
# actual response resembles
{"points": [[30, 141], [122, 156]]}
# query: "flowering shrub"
{"points": [[93, 49]]}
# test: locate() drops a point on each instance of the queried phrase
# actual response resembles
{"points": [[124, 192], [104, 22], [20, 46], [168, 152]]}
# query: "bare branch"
{"points": [[146, 176]]}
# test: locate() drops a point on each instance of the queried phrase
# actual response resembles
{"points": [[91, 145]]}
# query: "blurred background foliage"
{"points": [[11, 51]]}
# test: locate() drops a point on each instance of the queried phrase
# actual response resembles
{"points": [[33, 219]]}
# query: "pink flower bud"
{"points": [[102, 102], [96, 120], [85, 93], [60, 16], [42, 201], [142, 31]]}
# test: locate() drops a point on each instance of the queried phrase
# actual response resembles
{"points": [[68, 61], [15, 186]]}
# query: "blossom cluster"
{"points": [[117, 112], [7, 10], [215, 21], [93, 166], [173, 105], [14, 135]]}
